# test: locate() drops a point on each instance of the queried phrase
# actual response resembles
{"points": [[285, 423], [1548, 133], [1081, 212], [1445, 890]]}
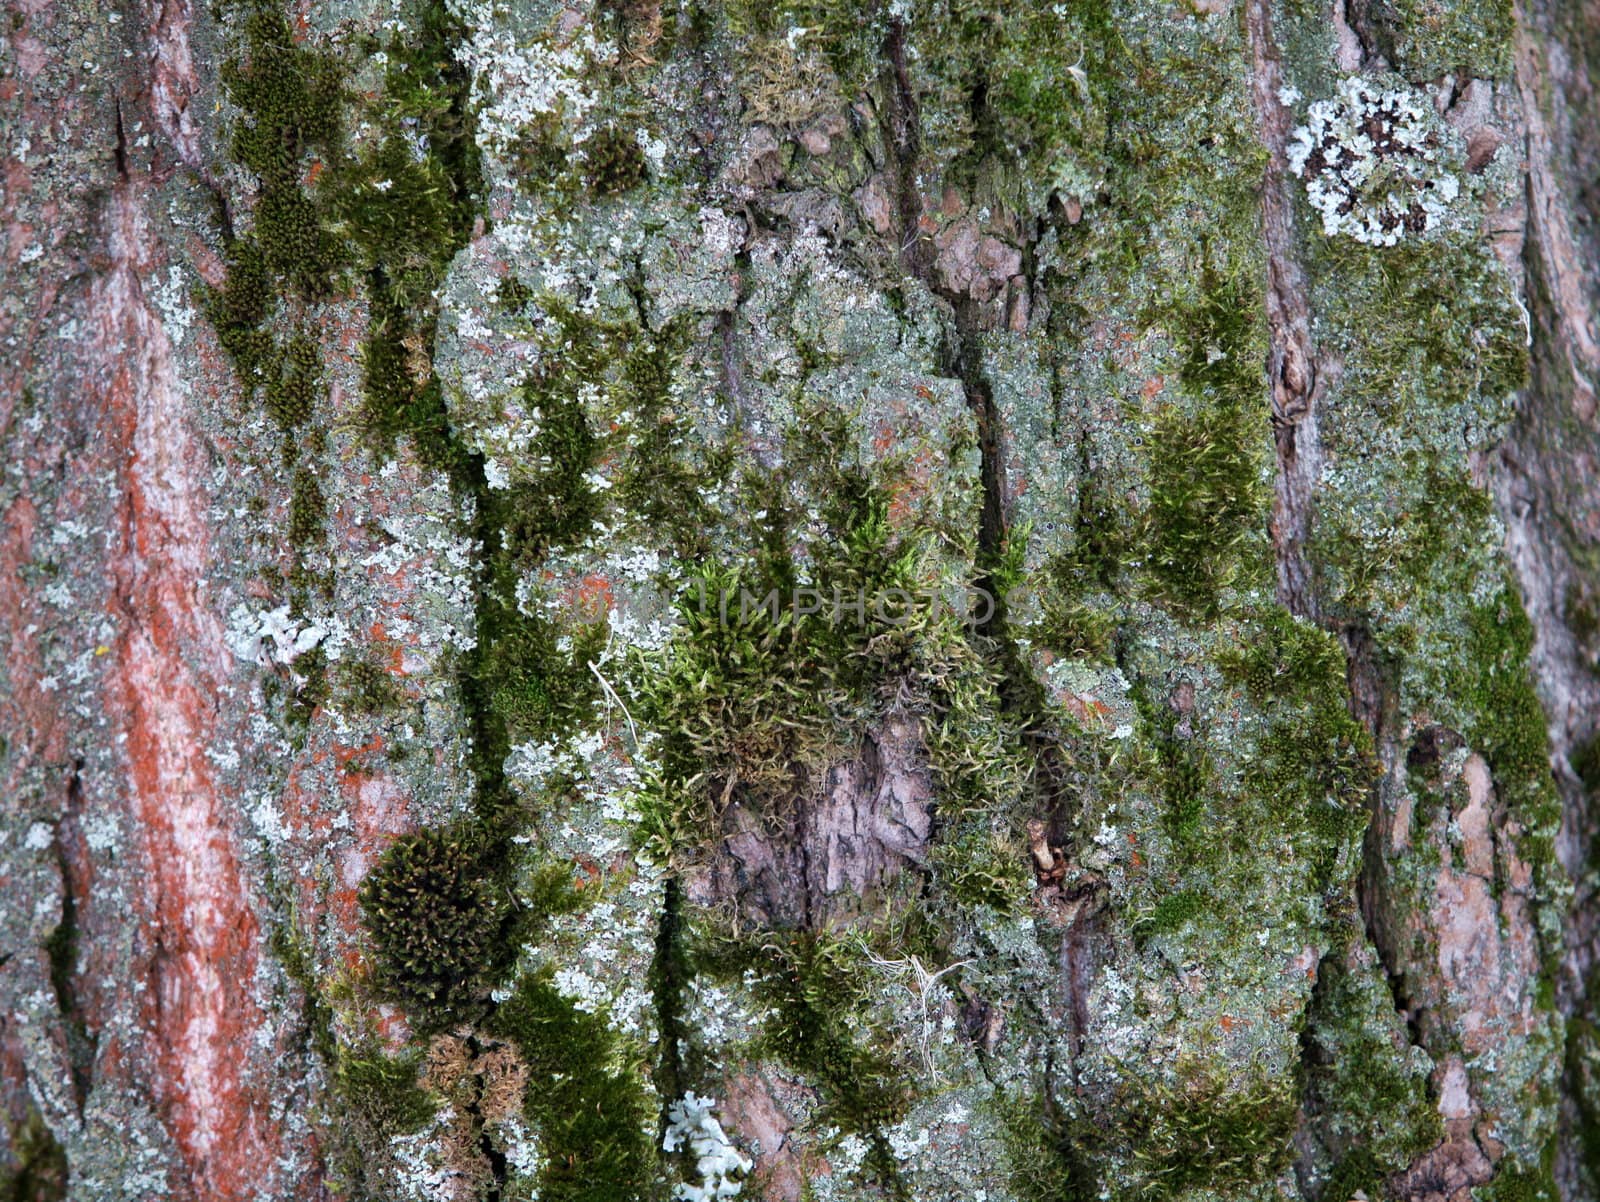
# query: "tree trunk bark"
{"points": [[916, 600]]}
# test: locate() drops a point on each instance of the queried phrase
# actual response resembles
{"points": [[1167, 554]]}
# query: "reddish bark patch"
{"points": [[198, 934]]}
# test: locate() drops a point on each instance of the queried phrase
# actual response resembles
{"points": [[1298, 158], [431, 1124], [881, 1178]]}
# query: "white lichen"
{"points": [[1371, 160], [270, 635], [719, 1163]]}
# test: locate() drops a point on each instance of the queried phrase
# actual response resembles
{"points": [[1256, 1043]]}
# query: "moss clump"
{"points": [[849, 33], [407, 208], [1517, 1184], [1172, 913], [308, 511], [311, 668], [984, 867], [1585, 761], [1206, 493], [291, 389], [1472, 40], [613, 162], [1431, 324], [538, 689], [559, 505], [1502, 716], [435, 908], [1225, 1137], [365, 686], [1209, 1134], [294, 246], [1044, 1161], [588, 1102], [754, 694], [239, 309], [1104, 539], [289, 99], [1182, 770]]}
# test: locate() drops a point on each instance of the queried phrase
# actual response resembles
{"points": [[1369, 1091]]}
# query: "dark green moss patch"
{"points": [[35, 1170], [1206, 491], [365, 686], [815, 988], [308, 511], [1424, 41], [537, 689], [1224, 1137], [1502, 717], [755, 692], [384, 1092], [613, 162], [586, 1101], [1172, 913], [437, 913], [1182, 770]]}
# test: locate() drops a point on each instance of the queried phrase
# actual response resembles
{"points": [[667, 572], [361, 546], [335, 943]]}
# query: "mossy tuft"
{"points": [[438, 919]]}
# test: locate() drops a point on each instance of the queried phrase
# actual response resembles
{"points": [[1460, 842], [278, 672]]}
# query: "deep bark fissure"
{"points": [[62, 945], [669, 975]]}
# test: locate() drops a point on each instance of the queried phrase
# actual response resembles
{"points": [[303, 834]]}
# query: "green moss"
{"points": [[536, 688], [1182, 770], [294, 246], [1206, 491], [291, 389], [1104, 538], [365, 686], [1173, 912], [613, 162], [1365, 1093], [312, 689], [1583, 1089], [1585, 761], [240, 307], [1223, 1137], [406, 208], [1517, 1184], [308, 511], [289, 97], [1219, 1136], [1430, 323], [587, 1100], [849, 33], [558, 506], [1491, 688], [435, 908], [984, 867], [814, 985], [1314, 768], [384, 1092], [290, 100], [37, 1165], [1426, 40], [1044, 1162], [754, 693]]}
